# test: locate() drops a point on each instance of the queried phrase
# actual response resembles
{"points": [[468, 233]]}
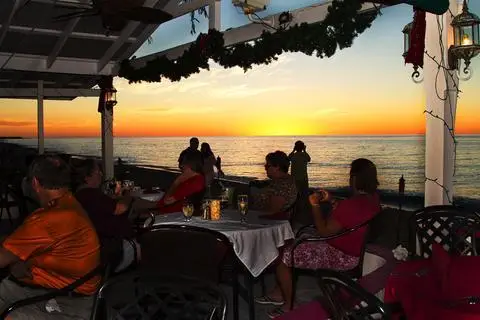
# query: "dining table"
{"points": [[256, 242]]}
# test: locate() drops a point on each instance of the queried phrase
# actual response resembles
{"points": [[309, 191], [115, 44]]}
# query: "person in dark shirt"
{"points": [[108, 215], [193, 148]]}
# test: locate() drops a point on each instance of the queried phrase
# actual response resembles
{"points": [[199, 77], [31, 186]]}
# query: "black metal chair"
{"points": [[451, 227], [346, 299], [355, 273], [148, 295], [55, 293], [190, 251]]}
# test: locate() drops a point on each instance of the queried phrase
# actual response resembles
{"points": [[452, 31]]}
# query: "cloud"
{"points": [[243, 91], [326, 111], [12, 123], [153, 109], [191, 110]]}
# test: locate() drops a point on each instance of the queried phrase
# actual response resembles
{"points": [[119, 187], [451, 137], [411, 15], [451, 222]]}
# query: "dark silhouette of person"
{"points": [[193, 148], [299, 159]]}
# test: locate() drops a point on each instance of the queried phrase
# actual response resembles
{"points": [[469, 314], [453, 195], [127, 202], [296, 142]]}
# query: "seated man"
{"points": [[56, 245], [109, 216]]}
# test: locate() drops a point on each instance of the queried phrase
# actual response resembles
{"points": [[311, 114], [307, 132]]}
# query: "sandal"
{"points": [[274, 313], [268, 300]]}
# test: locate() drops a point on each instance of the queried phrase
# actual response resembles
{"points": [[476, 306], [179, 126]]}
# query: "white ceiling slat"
{"points": [[4, 27], [126, 33], [61, 41], [175, 10], [59, 33], [34, 63], [312, 14], [65, 93]]}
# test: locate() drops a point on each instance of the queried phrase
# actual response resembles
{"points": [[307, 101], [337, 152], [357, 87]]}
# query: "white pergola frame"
{"points": [[439, 156], [438, 144]]}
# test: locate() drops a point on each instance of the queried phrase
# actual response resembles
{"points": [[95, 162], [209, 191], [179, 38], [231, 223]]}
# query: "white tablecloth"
{"points": [[255, 243], [151, 196]]}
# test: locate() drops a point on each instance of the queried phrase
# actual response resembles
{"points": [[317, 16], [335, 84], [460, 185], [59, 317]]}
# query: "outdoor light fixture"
{"points": [[284, 17], [110, 98], [466, 40], [407, 30], [406, 38]]}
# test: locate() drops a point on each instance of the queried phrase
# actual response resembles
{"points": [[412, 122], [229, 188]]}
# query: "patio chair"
{"points": [[355, 273], [189, 251], [449, 226], [148, 295], [55, 293], [346, 299]]}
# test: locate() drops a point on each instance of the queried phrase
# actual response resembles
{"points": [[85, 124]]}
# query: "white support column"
{"points": [[441, 101], [107, 143], [214, 17], [40, 122]]}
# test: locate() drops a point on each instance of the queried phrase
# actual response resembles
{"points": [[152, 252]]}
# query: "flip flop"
{"points": [[268, 300], [274, 313]]}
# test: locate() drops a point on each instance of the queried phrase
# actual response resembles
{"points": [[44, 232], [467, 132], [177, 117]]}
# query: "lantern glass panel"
{"points": [[476, 37], [406, 43], [457, 36], [466, 35]]}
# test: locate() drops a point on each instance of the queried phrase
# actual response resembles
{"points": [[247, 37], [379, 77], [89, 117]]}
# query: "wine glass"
{"points": [[242, 202], [187, 210]]}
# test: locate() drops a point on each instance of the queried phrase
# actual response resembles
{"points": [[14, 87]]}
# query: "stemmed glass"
{"points": [[187, 210], [242, 202]]}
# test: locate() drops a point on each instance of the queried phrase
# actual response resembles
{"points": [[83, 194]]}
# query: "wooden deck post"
{"points": [[107, 143], [441, 103], [40, 121]]}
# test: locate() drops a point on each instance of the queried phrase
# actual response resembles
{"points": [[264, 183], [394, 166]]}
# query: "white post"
{"points": [[214, 17], [107, 143], [40, 122], [441, 103]]}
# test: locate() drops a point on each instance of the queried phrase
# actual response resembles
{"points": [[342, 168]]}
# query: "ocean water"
{"points": [[331, 156]]}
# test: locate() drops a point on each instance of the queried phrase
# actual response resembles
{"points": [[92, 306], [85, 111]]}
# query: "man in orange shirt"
{"points": [[58, 244]]}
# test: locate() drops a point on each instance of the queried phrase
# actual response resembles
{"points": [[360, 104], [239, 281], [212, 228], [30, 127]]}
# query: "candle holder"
{"points": [[215, 210]]}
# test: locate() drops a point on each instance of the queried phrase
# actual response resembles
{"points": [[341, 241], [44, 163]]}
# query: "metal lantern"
{"points": [[466, 38], [406, 38], [110, 98], [407, 31]]}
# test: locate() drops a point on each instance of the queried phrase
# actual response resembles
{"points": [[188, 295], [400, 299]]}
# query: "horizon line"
{"points": [[235, 136]]}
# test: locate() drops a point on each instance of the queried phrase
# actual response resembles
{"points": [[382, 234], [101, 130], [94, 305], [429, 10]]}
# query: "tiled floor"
{"points": [[307, 290]]}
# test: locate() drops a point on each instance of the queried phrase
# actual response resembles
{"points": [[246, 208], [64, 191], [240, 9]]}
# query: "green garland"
{"points": [[342, 24]]}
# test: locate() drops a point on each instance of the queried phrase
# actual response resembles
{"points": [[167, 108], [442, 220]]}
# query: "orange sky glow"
{"points": [[365, 89]]}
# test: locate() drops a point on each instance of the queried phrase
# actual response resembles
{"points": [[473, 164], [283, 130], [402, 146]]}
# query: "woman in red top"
{"points": [[190, 184], [342, 253]]}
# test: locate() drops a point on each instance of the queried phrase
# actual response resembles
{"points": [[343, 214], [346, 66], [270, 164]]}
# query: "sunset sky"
{"points": [[365, 89]]}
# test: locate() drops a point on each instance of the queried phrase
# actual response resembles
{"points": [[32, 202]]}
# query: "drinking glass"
{"points": [[242, 202], [187, 211]]}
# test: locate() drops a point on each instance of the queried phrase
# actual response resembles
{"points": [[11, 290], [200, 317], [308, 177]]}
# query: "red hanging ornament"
{"points": [[417, 39], [203, 42]]}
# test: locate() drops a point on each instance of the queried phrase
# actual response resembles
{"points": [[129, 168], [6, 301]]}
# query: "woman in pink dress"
{"points": [[341, 253]]}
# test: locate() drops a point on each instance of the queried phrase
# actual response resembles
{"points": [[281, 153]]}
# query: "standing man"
{"points": [[192, 148], [300, 159]]}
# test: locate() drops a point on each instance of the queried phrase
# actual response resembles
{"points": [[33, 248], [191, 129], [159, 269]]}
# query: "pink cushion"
{"points": [[440, 263], [310, 311], [457, 275], [462, 279]]}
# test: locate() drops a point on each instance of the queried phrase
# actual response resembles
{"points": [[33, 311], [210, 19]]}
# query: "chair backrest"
{"points": [[292, 209], [148, 295], [346, 299], [449, 226], [196, 199], [184, 250]]}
